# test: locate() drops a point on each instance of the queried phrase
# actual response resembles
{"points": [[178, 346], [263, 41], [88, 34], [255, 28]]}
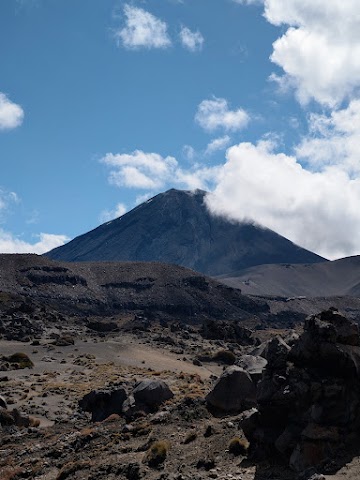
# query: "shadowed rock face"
{"points": [[309, 394], [233, 392], [176, 227]]}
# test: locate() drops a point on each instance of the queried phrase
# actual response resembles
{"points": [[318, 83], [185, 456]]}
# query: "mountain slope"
{"points": [[176, 227], [100, 288], [340, 277]]}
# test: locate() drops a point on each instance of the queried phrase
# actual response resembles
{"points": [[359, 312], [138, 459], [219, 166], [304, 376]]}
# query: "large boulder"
{"points": [[146, 398], [234, 391], [151, 393], [103, 403]]}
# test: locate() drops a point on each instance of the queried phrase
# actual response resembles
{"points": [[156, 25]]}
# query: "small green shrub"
{"points": [[21, 359], [157, 453], [239, 446]]}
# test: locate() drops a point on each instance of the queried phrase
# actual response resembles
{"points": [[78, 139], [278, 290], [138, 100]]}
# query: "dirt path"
{"points": [[123, 351]]}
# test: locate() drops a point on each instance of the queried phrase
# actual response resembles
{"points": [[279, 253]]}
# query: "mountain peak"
{"points": [[197, 192], [176, 227]]}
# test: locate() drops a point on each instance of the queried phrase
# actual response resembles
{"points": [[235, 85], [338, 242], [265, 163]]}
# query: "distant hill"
{"points": [[337, 278], [99, 288], [176, 227]]}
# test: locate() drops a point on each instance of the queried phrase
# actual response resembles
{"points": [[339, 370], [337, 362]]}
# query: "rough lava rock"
{"points": [[146, 397], [103, 403], [234, 391], [309, 395], [152, 393]]}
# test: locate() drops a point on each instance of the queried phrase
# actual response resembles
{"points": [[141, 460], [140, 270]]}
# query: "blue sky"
{"points": [[104, 103]]}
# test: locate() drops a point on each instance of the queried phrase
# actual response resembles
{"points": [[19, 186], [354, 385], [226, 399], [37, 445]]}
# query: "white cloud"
{"points": [[217, 144], [215, 113], [193, 41], [151, 171], [320, 51], [11, 114], [10, 243], [7, 199], [189, 152], [313, 197], [108, 215], [249, 2], [46, 241], [140, 169], [142, 29], [200, 177], [143, 197], [317, 210], [334, 140]]}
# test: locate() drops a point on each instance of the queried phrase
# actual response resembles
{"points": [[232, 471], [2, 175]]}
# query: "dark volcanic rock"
{"points": [[17, 322], [234, 391], [176, 227], [152, 393], [2, 402], [309, 395], [102, 326], [103, 403], [146, 397], [14, 418], [229, 331]]}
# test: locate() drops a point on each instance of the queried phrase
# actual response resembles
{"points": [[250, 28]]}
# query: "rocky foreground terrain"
{"points": [[146, 389]]}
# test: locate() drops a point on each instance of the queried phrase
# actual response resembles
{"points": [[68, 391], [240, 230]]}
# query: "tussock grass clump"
{"points": [[157, 453], [34, 422], [225, 356], [21, 359], [221, 356], [239, 446]]}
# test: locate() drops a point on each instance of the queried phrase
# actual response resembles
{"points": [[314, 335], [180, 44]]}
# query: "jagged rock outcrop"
{"points": [[309, 395]]}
